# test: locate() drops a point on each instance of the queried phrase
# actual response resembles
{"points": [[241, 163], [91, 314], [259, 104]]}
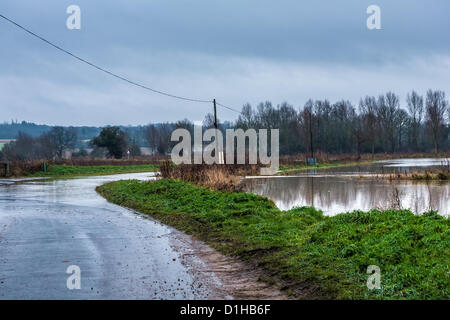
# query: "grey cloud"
{"points": [[237, 51]]}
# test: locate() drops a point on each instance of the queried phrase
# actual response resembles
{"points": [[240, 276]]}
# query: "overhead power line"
{"points": [[229, 108], [109, 72]]}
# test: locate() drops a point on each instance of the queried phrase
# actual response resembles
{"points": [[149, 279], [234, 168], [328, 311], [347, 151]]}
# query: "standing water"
{"points": [[338, 190]]}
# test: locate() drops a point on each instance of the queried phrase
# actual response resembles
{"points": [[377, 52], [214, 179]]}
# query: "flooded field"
{"points": [[337, 190]]}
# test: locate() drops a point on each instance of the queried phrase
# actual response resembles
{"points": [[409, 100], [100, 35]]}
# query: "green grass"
{"points": [[426, 176], [1, 145], [57, 171], [284, 168], [301, 167], [310, 255]]}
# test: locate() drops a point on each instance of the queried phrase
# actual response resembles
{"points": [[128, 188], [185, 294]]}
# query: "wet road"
{"points": [[47, 226]]}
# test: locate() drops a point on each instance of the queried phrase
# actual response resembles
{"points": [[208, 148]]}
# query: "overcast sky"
{"points": [[234, 51]]}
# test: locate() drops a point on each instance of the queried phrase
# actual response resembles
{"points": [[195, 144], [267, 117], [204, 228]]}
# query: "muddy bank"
{"points": [[228, 277]]}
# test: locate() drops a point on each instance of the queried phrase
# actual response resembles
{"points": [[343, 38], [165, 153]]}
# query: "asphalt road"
{"points": [[47, 226]]}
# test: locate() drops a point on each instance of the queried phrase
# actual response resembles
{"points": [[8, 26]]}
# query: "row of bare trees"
{"points": [[50, 145], [112, 142], [424, 121], [376, 124]]}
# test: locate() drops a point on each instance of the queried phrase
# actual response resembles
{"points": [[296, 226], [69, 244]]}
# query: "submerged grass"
{"points": [[429, 175], [306, 253]]}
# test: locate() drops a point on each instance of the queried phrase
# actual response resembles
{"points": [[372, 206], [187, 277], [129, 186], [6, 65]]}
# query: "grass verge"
{"points": [[308, 254], [68, 171], [300, 167]]}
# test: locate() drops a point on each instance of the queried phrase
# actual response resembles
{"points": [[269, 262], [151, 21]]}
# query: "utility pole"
{"points": [[219, 153], [215, 115], [311, 133]]}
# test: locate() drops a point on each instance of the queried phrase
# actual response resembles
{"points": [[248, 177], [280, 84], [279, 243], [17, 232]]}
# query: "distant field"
{"points": [[5, 141]]}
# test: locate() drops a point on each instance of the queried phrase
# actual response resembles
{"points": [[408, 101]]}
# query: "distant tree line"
{"points": [[49, 145], [111, 142], [375, 125], [11, 130]]}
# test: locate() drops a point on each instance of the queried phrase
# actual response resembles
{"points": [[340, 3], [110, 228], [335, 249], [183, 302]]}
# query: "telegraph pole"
{"points": [[215, 115], [311, 133], [219, 154]]}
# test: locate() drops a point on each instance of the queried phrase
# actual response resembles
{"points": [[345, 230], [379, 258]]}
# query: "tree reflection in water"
{"points": [[335, 194]]}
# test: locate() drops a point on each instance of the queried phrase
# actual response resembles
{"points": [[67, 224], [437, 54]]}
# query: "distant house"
{"points": [[5, 141], [147, 151], [67, 154]]}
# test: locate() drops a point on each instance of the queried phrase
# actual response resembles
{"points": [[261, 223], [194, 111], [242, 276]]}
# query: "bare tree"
{"points": [[62, 139], [152, 136], [21, 149], [323, 112], [415, 109], [246, 118], [402, 121], [286, 118], [357, 132], [306, 122], [368, 110], [164, 143], [436, 106], [342, 112], [208, 122], [184, 124], [387, 107], [393, 105]]}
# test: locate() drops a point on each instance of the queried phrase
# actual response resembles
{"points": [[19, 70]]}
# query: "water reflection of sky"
{"points": [[423, 162], [336, 194], [387, 166]]}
